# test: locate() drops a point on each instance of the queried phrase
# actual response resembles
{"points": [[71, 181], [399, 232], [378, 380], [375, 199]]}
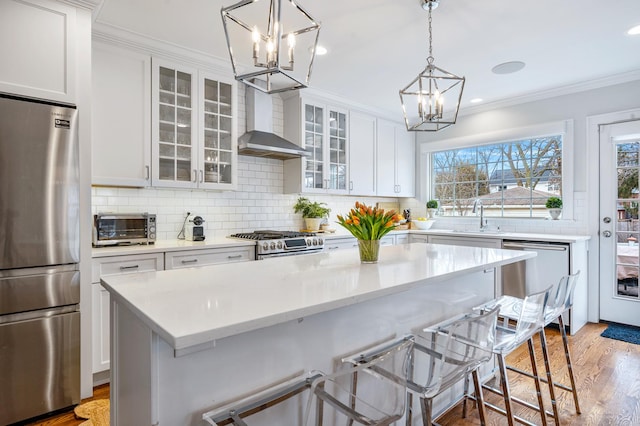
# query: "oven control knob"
{"points": [[309, 242], [273, 246], [152, 229], [265, 246], [315, 241], [279, 244], [320, 242]]}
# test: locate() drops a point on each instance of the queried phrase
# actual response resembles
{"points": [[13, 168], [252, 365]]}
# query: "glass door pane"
{"points": [[313, 137], [217, 132], [174, 125], [337, 150], [627, 230]]}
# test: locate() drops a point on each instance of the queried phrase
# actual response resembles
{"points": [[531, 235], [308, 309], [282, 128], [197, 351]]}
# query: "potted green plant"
{"points": [[432, 208], [554, 204], [312, 211]]}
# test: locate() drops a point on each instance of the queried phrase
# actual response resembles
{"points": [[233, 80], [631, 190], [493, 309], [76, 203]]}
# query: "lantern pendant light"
{"points": [[272, 43], [430, 102]]}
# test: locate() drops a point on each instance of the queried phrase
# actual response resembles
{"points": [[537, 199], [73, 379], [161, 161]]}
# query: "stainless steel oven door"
{"points": [[288, 253]]}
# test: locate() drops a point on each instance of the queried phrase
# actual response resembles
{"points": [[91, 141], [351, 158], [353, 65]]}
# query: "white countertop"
{"points": [[177, 245], [190, 307], [521, 236], [170, 245]]}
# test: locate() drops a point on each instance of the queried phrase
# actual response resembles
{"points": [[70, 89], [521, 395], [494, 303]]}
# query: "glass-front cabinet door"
{"points": [[337, 151], [194, 138], [219, 141], [325, 138], [174, 126]]}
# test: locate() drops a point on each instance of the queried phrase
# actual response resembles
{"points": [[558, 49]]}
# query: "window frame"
{"points": [[564, 128]]}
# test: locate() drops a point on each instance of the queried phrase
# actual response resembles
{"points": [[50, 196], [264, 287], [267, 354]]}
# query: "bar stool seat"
{"points": [[529, 313], [447, 353], [560, 302]]}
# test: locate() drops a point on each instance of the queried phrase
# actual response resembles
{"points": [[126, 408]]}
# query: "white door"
{"points": [[619, 223]]}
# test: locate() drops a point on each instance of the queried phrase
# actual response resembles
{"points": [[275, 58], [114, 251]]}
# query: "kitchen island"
{"points": [[185, 341]]}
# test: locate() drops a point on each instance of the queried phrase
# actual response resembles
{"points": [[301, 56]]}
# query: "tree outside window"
{"points": [[512, 179]]}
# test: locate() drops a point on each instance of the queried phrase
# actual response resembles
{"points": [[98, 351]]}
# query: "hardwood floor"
{"points": [[607, 374]]}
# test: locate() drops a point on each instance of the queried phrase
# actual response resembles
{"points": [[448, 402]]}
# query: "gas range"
{"points": [[282, 243]]}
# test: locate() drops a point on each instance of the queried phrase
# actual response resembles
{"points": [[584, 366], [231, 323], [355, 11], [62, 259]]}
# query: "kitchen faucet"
{"points": [[476, 203]]}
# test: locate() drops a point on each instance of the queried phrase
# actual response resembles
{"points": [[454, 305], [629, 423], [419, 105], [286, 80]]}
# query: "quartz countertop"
{"points": [[521, 236], [194, 307], [162, 246]]}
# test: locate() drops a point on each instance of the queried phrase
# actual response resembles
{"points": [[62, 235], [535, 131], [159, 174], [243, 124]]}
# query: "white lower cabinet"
{"points": [[418, 238], [195, 258], [346, 242], [112, 265]]}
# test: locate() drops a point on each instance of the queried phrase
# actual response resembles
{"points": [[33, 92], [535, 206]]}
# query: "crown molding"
{"points": [[553, 92], [86, 4], [112, 34]]}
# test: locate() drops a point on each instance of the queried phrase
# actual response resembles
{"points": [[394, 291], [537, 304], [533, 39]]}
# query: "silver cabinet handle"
{"points": [[350, 185], [147, 172], [333, 247], [201, 176], [128, 268], [184, 262], [195, 176], [235, 256]]}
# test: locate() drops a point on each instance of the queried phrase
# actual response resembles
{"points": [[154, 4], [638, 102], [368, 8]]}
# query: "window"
{"points": [[512, 179]]}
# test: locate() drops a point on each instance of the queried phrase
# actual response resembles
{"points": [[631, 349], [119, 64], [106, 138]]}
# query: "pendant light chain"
{"points": [[430, 58]]}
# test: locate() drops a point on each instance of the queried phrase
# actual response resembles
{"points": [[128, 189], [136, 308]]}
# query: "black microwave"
{"points": [[110, 229]]}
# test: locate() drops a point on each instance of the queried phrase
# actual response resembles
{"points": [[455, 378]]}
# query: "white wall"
{"points": [[575, 106], [259, 202]]}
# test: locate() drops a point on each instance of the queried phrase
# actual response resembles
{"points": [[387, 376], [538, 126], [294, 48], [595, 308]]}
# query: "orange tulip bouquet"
{"points": [[368, 225]]}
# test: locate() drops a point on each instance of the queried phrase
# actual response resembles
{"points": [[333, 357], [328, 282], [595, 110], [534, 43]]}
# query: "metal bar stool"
{"points": [[237, 412], [530, 313], [557, 305], [447, 353]]}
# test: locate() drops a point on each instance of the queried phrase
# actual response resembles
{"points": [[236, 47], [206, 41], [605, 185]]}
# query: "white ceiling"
{"points": [[378, 46]]}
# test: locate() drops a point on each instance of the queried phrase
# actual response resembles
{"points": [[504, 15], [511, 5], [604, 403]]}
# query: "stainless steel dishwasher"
{"points": [[529, 276]]}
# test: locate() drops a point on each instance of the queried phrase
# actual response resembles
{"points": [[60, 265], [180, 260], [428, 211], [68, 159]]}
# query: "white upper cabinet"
{"points": [[362, 153], [38, 49], [322, 130], [121, 117], [395, 163], [194, 143]]}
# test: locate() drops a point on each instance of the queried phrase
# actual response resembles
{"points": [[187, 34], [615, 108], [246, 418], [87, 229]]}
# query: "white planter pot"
{"points": [[555, 213], [431, 212], [312, 223]]}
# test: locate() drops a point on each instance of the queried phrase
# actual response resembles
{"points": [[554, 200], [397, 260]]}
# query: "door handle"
{"points": [[606, 234]]}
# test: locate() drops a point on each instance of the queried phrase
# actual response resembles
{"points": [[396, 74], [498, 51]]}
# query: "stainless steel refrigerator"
{"points": [[39, 255]]}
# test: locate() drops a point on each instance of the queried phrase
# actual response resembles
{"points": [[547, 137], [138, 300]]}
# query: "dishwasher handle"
{"points": [[540, 246]]}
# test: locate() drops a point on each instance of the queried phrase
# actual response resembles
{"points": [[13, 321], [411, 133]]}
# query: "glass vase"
{"points": [[369, 250]]}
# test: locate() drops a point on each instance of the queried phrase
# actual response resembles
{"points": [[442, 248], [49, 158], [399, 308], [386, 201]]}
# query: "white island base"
{"points": [[184, 342]]}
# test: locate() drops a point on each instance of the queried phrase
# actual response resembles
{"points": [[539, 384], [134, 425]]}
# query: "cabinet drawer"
{"points": [[126, 264], [194, 258]]}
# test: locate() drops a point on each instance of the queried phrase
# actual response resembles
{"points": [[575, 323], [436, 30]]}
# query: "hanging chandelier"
{"points": [[432, 100], [271, 47]]}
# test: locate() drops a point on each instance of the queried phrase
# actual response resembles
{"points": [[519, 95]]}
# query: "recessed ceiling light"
{"points": [[508, 67], [476, 100], [634, 31], [321, 50]]}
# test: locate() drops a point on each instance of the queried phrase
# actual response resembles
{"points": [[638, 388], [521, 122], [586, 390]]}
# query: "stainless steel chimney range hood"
{"points": [[259, 140]]}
